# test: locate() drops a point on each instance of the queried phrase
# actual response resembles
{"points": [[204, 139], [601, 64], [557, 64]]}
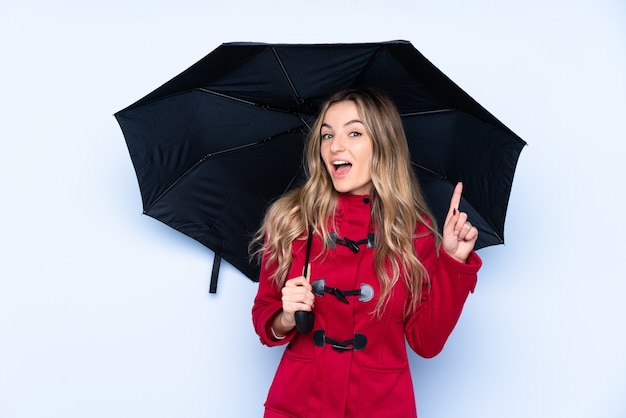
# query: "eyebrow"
{"points": [[350, 122]]}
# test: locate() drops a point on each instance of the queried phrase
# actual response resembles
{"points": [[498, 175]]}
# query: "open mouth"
{"points": [[341, 167]]}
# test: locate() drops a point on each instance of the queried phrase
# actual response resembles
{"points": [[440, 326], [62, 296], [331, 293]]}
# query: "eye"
{"points": [[355, 134], [326, 135]]}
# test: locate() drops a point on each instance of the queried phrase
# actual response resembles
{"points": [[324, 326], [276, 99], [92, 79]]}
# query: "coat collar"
{"points": [[353, 215]]}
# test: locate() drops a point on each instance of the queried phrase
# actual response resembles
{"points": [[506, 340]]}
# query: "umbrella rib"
{"points": [[215, 154], [441, 176], [247, 102], [203, 159], [366, 67], [226, 96], [293, 179], [427, 112], [284, 70]]}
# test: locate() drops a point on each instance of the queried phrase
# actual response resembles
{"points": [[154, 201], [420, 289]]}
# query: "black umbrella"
{"points": [[216, 144]]}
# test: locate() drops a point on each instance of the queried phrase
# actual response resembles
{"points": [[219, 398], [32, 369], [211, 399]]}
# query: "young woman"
{"points": [[377, 270]]}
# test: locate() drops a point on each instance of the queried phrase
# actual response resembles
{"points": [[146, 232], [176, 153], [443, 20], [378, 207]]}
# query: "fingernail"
{"points": [[454, 211]]}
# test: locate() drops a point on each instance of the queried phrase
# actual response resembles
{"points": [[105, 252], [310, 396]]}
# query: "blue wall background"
{"points": [[105, 312]]}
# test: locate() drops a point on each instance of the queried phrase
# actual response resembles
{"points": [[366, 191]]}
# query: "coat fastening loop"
{"points": [[365, 292], [352, 244], [357, 343]]}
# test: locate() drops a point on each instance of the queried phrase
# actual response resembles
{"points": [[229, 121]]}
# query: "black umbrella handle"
{"points": [[304, 319]]}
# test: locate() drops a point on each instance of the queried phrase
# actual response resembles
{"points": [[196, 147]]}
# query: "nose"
{"points": [[336, 144]]}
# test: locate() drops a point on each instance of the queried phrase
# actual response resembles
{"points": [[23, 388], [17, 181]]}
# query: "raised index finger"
{"points": [[456, 197]]}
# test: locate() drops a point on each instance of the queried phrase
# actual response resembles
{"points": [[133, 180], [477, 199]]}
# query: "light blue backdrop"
{"points": [[105, 312]]}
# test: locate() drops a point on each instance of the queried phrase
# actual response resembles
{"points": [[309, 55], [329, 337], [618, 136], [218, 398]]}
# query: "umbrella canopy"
{"points": [[219, 142]]}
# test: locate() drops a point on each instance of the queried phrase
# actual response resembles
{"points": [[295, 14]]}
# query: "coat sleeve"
{"points": [[267, 303], [428, 328]]}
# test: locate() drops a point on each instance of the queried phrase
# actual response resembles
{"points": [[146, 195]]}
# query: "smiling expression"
{"points": [[346, 149]]}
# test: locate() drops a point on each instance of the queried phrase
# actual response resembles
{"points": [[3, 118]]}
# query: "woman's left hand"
{"points": [[459, 236]]}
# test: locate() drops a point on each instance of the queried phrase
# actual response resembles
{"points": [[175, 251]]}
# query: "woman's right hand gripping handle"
{"points": [[298, 299]]}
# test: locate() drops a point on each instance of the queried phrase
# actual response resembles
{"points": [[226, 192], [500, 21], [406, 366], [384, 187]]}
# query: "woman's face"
{"points": [[346, 149]]}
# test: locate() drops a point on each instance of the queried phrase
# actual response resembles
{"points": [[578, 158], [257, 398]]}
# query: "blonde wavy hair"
{"points": [[396, 199]]}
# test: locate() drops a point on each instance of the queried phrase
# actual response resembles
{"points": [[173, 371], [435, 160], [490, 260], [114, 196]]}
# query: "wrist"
{"points": [[285, 321], [281, 326], [453, 256], [459, 259], [276, 336]]}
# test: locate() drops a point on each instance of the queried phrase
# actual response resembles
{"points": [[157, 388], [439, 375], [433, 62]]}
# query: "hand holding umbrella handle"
{"points": [[304, 319]]}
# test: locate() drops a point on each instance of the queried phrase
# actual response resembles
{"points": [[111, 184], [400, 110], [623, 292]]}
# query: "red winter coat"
{"points": [[371, 378]]}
